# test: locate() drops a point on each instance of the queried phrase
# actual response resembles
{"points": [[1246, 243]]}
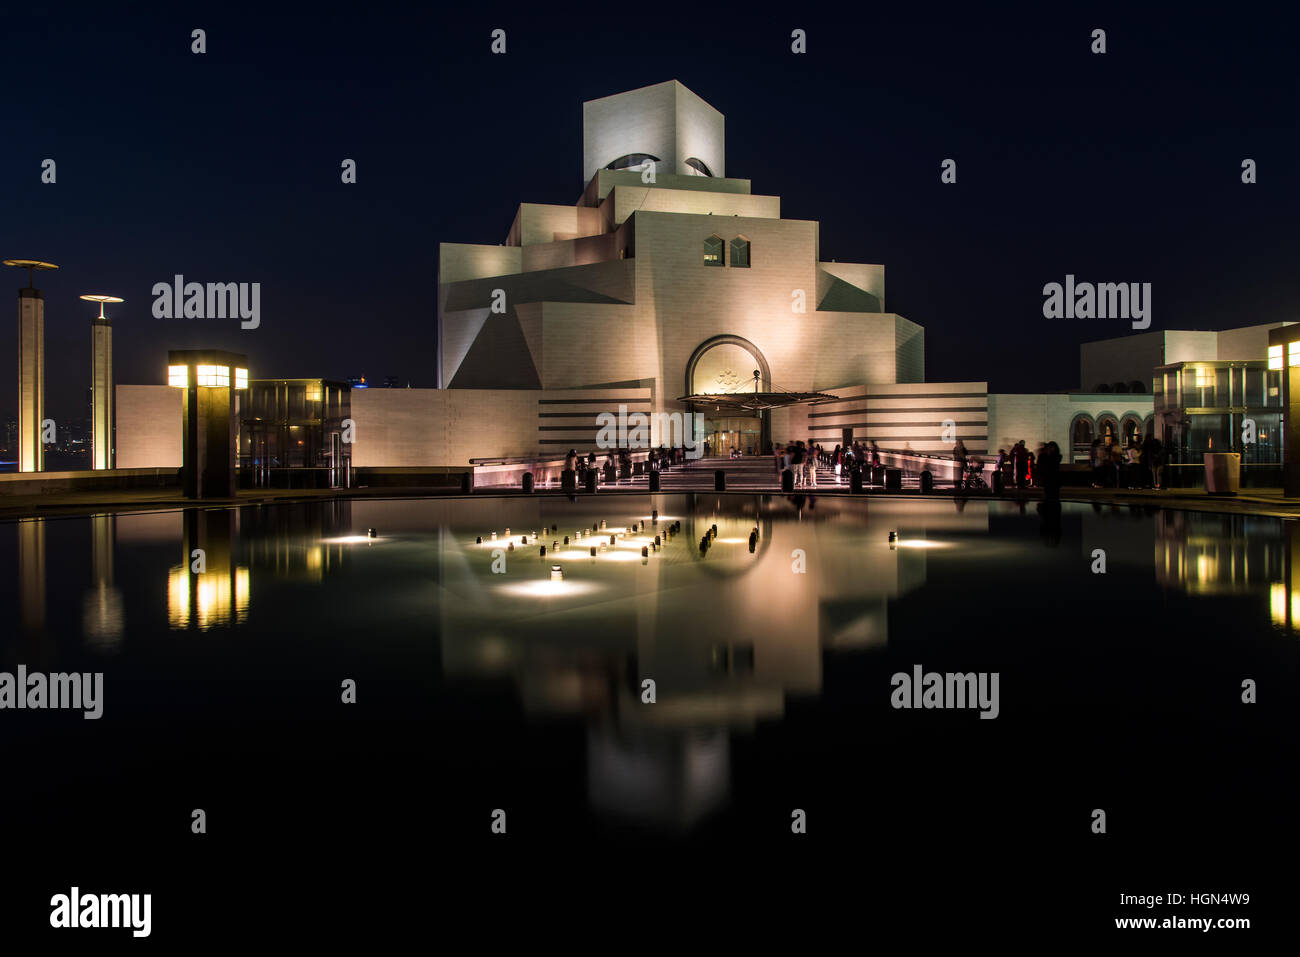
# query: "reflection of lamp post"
{"points": [[101, 385], [31, 368]]}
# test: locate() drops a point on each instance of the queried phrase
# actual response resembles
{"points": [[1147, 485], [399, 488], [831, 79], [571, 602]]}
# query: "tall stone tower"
{"points": [[31, 368], [101, 385]]}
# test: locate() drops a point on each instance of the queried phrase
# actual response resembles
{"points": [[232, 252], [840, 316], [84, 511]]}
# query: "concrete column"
{"points": [[31, 379], [101, 393], [209, 442], [1291, 432]]}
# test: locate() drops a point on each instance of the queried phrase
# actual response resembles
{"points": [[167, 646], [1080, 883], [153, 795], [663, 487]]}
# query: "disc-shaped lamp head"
{"points": [[101, 300], [31, 265]]}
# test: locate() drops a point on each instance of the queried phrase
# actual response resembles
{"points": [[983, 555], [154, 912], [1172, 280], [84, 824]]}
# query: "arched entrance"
{"points": [[726, 365]]}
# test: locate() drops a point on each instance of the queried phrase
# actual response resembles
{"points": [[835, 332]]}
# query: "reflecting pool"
{"points": [[688, 669]]}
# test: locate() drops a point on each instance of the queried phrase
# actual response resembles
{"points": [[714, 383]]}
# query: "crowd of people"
{"points": [[618, 467], [1140, 465]]}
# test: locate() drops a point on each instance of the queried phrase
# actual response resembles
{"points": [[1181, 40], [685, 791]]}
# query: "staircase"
{"points": [[750, 473]]}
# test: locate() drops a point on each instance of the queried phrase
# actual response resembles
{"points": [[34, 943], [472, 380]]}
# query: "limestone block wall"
{"points": [[148, 426], [461, 261], [904, 416], [448, 427], [665, 120]]}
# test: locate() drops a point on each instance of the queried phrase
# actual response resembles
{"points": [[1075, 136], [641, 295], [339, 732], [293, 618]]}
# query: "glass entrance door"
{"points": [[726, 433]]}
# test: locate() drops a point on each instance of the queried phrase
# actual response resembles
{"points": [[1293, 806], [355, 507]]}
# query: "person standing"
{"points": [[959, 463]]}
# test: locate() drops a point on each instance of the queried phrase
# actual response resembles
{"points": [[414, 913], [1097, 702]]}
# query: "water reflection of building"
{"points": [[304, 544], [1206, 553], [726, 636]]}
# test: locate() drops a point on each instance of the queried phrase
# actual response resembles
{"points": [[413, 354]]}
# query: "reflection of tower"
{"points": [[102, 610], [101, 386], [31, 574], [665, 778], [31, 368], [208, 588]]}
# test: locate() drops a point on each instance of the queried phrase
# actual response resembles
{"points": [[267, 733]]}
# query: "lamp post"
{"points": [[31, 367], [101, 385]]}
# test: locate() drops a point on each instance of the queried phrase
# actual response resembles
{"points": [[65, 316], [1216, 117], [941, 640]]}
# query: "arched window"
{"points": [[1107, 428], [740, 252], [697, 167], [713, 251], [632, 161], [1081, 431], [1130, 429]]}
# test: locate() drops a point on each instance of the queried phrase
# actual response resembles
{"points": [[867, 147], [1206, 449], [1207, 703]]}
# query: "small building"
{"points": [[299, 425], [1221, 406]]}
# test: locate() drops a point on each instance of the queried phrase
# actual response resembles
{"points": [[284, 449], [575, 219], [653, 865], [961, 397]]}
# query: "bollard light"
{"points": [[654, 515], [566, 539], [507, 532], [557, 573], [603, 546], [494, 536], [511, 547], [479, 540], [523, 540], [593, 551], [602, 523], [612, 540], [555, 545], [370, 533], [645, 552], [542, 553]]}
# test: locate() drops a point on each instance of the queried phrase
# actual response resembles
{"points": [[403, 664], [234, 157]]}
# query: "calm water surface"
{"points": [[482, 689]]}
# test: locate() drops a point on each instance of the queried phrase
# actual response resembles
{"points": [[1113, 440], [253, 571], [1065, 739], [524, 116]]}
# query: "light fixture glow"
{"points": [[178, 377], [212, 376]]}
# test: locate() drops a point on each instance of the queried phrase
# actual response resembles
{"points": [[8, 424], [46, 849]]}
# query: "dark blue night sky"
{"points": [[225, 167]]}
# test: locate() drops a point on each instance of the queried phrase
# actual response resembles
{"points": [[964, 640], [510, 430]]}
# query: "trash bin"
{"points": [[1222, 473], [894, 480]]}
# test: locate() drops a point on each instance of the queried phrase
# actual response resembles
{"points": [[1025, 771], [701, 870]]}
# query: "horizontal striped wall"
{"points": [[568, 419], [907, 416]]}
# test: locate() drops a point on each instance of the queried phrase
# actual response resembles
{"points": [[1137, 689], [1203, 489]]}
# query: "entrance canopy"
{"points": [[752, 403]]}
